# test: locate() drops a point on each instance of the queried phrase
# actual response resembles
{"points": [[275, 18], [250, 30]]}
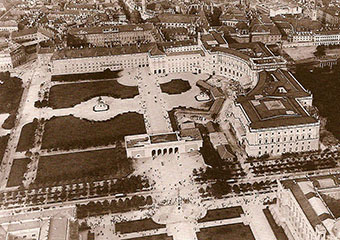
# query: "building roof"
{"points": [[10, 23], [224, 152], [101, 51], [111, 29], [272, 103], [231, 52], [210, 127], [217, 105], [24, 32], [190, 134], [176, 18]]}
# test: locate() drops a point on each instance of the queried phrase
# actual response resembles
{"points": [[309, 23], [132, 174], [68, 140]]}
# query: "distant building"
{"points": [[285, 9], [11, 56], [32, 34], [116, 35], [265, 33], [9, 26], [329, 14]]}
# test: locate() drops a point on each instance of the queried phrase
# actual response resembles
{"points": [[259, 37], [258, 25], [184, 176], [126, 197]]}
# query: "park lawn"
{"points": [[107, 74], [26, 139], [69, 95], [3, 145], [175, 86], [10, 95], [222, 213], [231, 232], [68, 132], [137, 226], [18, 169], [72, 166], [153, 237]]}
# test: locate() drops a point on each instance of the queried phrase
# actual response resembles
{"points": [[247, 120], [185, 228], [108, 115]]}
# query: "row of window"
{"points": [[284, 149], [284, 139]]}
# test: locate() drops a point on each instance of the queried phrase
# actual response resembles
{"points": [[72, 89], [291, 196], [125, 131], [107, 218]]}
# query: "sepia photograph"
{"points": [[169, 119]]}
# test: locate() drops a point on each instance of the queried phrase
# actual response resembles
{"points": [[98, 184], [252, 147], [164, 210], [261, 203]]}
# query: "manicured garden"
{"points": [[153, 237], [68, 132], [69, 95], [222, 213], [18, 169], [230, 232], [26, 139], [80, 165], [10, 95], [3, 145], [107, 74], [175, 86], [137, 226]]}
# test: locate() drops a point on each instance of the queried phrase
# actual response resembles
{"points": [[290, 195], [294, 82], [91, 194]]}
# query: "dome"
{"points": [[336, 229]]}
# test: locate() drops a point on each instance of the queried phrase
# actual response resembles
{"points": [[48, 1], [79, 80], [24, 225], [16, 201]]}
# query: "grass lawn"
{"points": [[3, 145], [154, 237], [231, 232], [222, 213], [68, 132], [26, 140], [10, 94], [68, 95], [137, 226], [107, 74], [18, 169], [278, 231], [84, 164], [175, 86]]}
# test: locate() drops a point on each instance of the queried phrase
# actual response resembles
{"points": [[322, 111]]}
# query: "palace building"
{"points": [[273, 118], [210, 54], [152, 145]]}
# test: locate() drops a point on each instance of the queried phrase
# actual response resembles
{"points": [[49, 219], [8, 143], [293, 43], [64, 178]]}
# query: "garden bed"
{"points": [[18, 170], [69, 95], [153, 237], [68, 132], [65, 167], [222, 213], [137, 226], [230, 232], [26, 140], [3, 145], [107, 74], [175, 86]]}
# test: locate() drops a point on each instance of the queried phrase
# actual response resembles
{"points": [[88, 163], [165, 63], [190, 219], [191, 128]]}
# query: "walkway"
{"points": [[155, 114]]}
